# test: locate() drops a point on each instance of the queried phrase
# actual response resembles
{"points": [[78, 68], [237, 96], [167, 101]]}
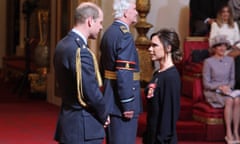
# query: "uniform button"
{"points": [[133, 88]]}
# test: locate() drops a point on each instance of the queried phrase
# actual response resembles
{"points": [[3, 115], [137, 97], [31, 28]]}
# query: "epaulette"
{"points": [[82, 46], [124, 29]]}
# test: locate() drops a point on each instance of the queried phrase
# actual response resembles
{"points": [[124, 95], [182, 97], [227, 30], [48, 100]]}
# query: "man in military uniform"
{"points": [[120, 68], [83, 111]]}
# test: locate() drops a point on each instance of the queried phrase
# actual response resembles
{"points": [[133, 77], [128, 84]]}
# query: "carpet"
{"points": [[31, 122], [25, 120]]}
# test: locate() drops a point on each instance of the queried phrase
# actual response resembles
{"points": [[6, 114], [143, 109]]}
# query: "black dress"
{"points": [[163, 108]]}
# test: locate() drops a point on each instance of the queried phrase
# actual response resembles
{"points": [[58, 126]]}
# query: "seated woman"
{"points": [[218, 82], [225, 25], [202, 14]]}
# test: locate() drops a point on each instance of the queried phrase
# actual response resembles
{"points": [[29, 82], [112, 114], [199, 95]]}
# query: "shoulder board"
{"points": [[80, 43], [124, 29]]}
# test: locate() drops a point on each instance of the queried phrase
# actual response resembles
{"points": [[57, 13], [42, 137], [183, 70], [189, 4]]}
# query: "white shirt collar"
{"points": [[80, 34]]}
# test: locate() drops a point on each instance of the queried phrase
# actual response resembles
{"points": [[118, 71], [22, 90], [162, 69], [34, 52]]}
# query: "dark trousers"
{"points": [[96, 141], [122, 131]]}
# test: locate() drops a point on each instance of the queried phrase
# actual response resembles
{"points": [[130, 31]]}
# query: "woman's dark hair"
{"points": [[170, 37]]}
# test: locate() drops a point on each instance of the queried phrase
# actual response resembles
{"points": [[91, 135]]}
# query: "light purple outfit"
{"points": [[217, 72]]}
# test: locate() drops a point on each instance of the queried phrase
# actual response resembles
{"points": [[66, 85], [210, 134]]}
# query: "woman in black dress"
{"points": [[163, 91]]}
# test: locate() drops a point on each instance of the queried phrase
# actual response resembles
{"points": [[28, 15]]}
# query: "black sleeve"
{"points": [[169, 108]]}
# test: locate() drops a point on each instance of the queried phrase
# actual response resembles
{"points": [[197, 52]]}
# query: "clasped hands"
{"points": [[225, 89]]}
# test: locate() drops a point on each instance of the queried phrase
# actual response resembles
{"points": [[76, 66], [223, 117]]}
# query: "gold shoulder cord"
{"points": [[79, 75], [98, 76], [79, 79]]}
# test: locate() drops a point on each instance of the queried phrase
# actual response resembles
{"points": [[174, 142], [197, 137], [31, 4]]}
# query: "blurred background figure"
{"points": [[225, 25], [218, 82], [202, 14], [235, 6]]}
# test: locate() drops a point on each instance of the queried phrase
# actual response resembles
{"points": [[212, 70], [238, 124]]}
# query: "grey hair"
{"points": [[86, 10], [120, 5]]}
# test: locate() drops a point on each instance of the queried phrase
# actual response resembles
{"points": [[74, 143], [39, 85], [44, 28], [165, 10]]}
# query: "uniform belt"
{"points": [[113, 76]]}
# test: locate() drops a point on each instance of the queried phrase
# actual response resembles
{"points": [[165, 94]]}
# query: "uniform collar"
{"points": [[118, 21], [80, 34]]}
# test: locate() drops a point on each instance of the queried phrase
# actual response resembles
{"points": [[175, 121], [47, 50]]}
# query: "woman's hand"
{"points": [[225, 89]]}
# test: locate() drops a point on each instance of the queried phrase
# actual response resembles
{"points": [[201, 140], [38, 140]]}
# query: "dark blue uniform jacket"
{"points": [[119, 55], [76, 123]]}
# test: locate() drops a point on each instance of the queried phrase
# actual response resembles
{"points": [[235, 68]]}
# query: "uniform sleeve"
{"points": [[91, 90], [125, 53]]}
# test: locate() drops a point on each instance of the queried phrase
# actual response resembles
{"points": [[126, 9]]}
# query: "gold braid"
{"points": [[96, 68], [79, 75], [79, 79]]}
